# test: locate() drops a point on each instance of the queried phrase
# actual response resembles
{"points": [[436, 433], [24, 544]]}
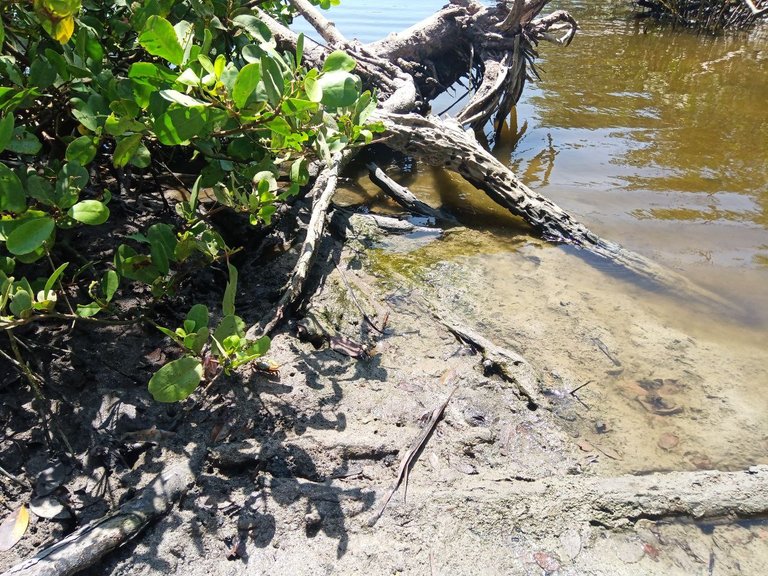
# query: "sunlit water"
{"points": [[658, 139]]}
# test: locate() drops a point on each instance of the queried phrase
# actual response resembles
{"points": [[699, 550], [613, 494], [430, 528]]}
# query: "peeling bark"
{"points": [[86, 546]]}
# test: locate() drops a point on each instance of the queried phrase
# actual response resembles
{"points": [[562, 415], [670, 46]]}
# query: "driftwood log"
{"points": [[494, 48], [87, 545], [618, 501]]}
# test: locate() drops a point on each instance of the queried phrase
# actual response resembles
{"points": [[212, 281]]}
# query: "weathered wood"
{"points": [[403, 196], [86, 546], [618, 501], [510, 365], [497, 42], [444, 143], [324, 188]]}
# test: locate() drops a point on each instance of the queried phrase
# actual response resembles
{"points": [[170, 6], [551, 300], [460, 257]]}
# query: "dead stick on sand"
{"points": [[417, 446]]}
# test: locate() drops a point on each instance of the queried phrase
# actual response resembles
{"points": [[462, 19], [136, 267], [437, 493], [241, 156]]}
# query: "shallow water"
{"points": [[655, 138]]}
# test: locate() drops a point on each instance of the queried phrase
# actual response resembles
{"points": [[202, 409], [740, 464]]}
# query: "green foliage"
{"points": [[90, 88], [226, 348]]}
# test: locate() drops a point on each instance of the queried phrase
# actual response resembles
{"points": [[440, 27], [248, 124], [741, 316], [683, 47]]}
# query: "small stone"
{"points": [[547, 562], [601, 427], [313, 519], [668, 441]]}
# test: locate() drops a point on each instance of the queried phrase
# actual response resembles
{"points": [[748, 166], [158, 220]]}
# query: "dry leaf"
{"points": [[13, 528]]}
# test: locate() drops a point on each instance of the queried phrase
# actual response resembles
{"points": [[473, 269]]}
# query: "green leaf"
{"points": [[46, 301], [179, 125], [339, 60], [162, 244], [299, 49], [159, 39], [189, 78], [254, 27], [40, 189], [119, 125], [12, 197], [176, 380], [54, 277], [229, 326], [340, 88], [7, 265], [197, 340], [21, 304], [218, 66], [199, 315], [30, 235], [228, 302], [185, 34], [259, 347], [294, 106], [300, 172], [90, 113], [6, 130], [109, 284], [125, 150], [246, 82], [279, 125], [313, 89], [41, 73], [273, 80], [138, 267], [24, 142], [90, 212], [88, 310], [82, 150], [181, 98], [71, 179], [141, 158]]}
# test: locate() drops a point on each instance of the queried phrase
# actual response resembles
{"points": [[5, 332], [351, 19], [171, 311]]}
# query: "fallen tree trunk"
{"points": [[86, 546]]}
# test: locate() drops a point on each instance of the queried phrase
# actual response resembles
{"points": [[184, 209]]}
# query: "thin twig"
{"points": [[573, 392], [13, 478], [417, 446]]}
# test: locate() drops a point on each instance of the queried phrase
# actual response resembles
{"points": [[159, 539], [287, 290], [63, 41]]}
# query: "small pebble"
{"points": [[601, 427], [668, 441]]}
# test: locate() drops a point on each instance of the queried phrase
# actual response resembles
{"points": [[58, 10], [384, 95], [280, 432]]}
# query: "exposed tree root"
{"points": [[617, 501], [443, 143], [323, 189], [498, 44]]}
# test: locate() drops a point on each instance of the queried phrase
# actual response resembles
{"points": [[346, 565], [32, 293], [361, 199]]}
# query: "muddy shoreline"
{"points": [[299, 462]]}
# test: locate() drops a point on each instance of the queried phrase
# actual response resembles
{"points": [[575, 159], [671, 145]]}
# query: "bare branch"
{"points": [[324, 27]]}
